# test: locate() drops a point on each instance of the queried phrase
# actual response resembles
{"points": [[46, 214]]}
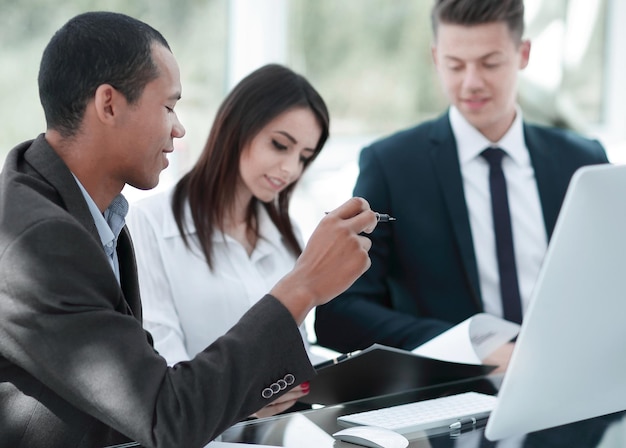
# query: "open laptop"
{"points": [[569, 362]]}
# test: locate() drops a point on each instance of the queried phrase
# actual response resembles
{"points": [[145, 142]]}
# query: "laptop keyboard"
{"points": [[427, 414]]}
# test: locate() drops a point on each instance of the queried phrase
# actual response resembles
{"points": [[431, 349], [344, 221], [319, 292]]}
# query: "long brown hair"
{"points": [[210, 185]]}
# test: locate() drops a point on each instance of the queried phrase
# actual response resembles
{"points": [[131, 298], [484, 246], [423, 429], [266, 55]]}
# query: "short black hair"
{"points": [[477, 12], [92, 49]]}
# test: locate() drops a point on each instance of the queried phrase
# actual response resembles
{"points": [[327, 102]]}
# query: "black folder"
{"points": [[381, 370]]}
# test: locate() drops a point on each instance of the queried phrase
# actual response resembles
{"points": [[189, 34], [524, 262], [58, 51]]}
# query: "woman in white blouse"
{"points": [[217, 242]]}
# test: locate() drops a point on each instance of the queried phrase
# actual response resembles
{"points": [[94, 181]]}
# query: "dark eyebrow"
{"points": [[293, 140], [289, 136], [486, 56]]}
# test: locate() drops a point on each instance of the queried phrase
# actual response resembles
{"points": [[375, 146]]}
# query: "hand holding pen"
{"points": [[384, 217], [381, 217], [335, 255]]}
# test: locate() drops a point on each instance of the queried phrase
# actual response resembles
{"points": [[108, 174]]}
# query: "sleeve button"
{"points": [[267, 393]]}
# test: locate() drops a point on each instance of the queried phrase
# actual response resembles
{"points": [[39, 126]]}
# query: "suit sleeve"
{"points": [[364, 314], [65, 324]]}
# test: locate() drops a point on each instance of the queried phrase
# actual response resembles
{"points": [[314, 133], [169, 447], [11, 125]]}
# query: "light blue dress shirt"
{"points": [[109, 224]]}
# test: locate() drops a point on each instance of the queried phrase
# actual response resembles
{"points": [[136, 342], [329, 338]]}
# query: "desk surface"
{"points": [[312, 428], [291, 431]]}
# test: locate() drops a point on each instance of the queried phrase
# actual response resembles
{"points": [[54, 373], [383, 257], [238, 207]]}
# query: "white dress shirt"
{"points": [[186, 306], [530, 238]]}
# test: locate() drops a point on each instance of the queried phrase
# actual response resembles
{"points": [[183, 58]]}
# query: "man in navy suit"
{"points": [[437, 264]]}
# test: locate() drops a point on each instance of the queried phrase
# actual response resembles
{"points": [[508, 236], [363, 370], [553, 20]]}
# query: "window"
{"points": [[195, 29]]}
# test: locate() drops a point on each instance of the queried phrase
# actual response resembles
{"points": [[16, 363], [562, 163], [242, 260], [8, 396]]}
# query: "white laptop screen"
{"points": [[569, 362]]}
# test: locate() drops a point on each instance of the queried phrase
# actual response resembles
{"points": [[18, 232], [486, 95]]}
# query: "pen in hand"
{"points": [[381, 217], [384, 217]]}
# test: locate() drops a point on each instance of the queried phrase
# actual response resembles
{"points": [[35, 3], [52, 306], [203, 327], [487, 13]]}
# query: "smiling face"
{"points": [[147, 128], [275, 157], [478, 67]]}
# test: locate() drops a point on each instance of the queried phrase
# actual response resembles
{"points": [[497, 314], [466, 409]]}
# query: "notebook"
{"points": [[570, 357], [381, 370]]}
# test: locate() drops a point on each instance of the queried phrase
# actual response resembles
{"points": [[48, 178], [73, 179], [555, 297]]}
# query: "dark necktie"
{"points": [[507, 269]]}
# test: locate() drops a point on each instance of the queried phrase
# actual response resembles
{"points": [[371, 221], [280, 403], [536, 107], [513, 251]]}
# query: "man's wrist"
{"points": [[297, 299]]}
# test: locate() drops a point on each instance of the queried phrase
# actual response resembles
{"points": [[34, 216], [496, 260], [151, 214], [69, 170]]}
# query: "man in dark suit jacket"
{"points": [[436, 265], [76, 367]]}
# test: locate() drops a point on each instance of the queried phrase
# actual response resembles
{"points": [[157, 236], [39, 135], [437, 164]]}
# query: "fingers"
{"points": [[334, 257], [283, 402], [357, 214], [350, 208], [294, 394], [366, 245], [274, 408], [500, 357]]}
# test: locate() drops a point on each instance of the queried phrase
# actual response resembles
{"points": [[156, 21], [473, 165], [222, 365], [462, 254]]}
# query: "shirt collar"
{"points": [[270, 236], [271, 239], [115, 214], [470, 142], [109, 224]]}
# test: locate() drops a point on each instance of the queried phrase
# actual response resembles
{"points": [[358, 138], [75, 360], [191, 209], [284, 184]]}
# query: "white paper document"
{"points": [[471, 341]]}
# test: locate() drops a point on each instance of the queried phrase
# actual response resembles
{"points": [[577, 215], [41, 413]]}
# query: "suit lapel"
{"points": [[445, 161], [128, 273], [547, 175], [51, 167]]}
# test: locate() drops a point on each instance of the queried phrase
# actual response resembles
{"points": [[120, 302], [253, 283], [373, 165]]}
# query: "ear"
{"points": [[433, 53], [106, 102], [524, 50]]}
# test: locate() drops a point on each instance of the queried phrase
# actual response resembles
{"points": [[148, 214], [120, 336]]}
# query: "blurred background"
{"points": [[370, 60]]}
